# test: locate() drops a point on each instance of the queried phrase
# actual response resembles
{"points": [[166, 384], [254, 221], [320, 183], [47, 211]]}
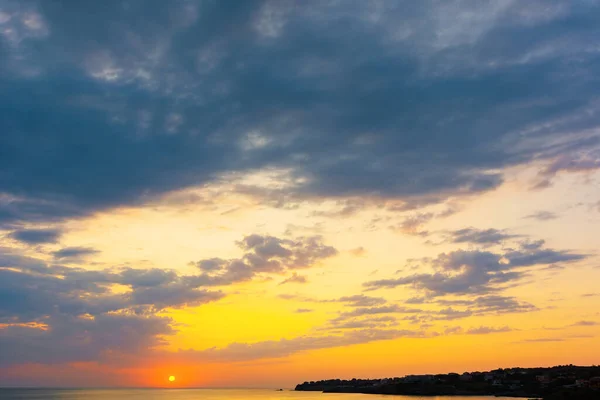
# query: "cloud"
{"points": [[71, 339], [412, 225], [358, 252], [75, 291], [585, 323], [383, 322], [476, 271], [416, 300], [303, 252], [295, 278], [361, 300], [267, 255], [485, 330], [303, 310], [542, 216], [542, 340], [453, 330], [449, 314], [74, 253], [36, 236], [58, 314], [532, 245], [480, 236], [459, 308], [285, 347], [585, 161], [175, 104], [501, 305], [344, 208], [491, 304], [387, 309], [290, 296]]}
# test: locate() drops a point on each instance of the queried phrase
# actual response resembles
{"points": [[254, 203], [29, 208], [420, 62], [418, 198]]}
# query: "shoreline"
{"points": [[547, 383]]}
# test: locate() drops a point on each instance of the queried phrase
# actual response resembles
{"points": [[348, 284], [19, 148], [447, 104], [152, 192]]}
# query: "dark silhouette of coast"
{"points": [[554, 383]]}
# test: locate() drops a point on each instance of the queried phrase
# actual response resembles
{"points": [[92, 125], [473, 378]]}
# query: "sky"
{"points": [[262, 193]]}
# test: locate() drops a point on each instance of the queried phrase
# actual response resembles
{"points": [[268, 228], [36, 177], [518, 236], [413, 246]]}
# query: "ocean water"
{"points": [[205, 394]]}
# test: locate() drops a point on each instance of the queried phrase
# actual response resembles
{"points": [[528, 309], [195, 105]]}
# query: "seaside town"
{"points": [[555, 383]]}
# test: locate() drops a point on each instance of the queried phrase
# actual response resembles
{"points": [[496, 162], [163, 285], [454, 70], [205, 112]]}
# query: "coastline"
{"points": [[554, 383]]}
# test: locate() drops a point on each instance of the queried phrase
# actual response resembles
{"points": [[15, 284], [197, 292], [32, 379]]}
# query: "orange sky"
{"points": [[256, 195]]}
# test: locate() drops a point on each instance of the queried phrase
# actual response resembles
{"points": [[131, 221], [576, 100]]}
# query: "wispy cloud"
{"points": [[74, 253], [265, 254], [37, 236], [485, 330], [476, 271], [480, 236], [295, 278], [542, 216], [287, 347], [585, 323]]}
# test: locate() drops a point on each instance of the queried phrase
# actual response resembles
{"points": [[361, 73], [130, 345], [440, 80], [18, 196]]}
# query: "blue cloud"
{"points": [[74, 253], [105, 105], [468, 272], [46, 308], [36, 236]]}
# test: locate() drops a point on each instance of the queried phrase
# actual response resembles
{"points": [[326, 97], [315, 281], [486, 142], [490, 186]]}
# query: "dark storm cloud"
{"points": [[36, 236], [108, 104]]}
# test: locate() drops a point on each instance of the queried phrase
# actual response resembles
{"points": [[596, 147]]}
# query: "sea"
{"points": [[207, 394]]}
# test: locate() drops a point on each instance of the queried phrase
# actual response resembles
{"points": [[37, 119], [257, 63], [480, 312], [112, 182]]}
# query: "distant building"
{"points": [[595, 382]]}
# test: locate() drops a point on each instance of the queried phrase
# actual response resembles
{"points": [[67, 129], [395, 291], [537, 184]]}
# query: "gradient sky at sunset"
{"points": [[259, 193]]}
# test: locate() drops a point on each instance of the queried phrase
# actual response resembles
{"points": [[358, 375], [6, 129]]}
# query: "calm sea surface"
{"points": [[204, 394]]}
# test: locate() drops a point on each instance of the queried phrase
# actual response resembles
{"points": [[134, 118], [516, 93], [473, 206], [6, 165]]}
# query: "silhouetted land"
{"points": [[556, 383]]}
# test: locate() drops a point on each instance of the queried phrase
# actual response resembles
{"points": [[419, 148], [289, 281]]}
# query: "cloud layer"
{"points": [[108, 105], [476, 271], [54, 313]]}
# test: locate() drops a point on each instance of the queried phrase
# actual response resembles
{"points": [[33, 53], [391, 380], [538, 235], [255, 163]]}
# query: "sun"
{"points": [[171, 378]]}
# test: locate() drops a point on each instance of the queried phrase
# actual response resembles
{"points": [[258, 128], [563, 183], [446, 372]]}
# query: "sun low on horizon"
{"points": [[259, 194]]}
